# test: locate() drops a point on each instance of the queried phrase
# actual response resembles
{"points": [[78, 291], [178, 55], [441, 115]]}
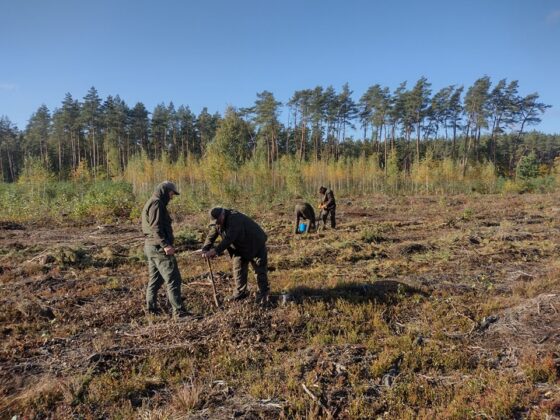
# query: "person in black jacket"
{"points": [[245, 241], [159, 250], [328, 206], [305, 211]]}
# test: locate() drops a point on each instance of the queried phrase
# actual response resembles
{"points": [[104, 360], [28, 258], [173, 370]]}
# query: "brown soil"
{"points": [[72, 308]]}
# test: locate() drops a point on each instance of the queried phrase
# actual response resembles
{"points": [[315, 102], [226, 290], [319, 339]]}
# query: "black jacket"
{"points": [[240, 235], [328, 200], [305, 211]]}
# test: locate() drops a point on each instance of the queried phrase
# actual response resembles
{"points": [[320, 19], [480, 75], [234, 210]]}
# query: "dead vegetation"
{"points": [[415, 307]]}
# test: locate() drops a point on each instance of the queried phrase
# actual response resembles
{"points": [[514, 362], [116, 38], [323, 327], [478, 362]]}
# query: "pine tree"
{"points": [[527, 167], [206, 125], [160, 130], [139, 129], [71, 130], [91, 119], [476, 108], [186, 120], [10, 152], [454, 115], [418, 101], [37, 134], [266, 110]]}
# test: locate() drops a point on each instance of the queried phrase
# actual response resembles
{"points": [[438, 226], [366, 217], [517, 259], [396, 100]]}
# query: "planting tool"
{"points": [[213, 283]]}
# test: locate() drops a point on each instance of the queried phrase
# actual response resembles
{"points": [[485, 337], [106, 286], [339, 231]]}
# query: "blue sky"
{"points": [[222, 52]]}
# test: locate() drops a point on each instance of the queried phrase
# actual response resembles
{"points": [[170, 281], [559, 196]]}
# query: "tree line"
{"points": [[484, 122]]}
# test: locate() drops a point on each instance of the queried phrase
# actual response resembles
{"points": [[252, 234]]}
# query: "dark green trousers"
{"points": [[163, 269], [241, 271]]}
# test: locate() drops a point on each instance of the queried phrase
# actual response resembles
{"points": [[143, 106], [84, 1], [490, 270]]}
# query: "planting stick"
{"points": [[213, 284]]}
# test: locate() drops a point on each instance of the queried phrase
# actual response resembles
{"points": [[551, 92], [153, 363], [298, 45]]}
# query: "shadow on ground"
{"points": [[384, 291]]}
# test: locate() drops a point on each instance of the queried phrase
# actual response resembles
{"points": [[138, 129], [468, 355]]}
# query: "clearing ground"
{"points": [[414, 307]]}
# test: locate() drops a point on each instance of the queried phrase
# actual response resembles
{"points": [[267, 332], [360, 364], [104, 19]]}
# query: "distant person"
{"points": [[245, 242], [162, 264], [328, 206], [305, 211]]}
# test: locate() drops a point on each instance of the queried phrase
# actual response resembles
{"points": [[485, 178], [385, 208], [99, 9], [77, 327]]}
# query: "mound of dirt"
{"points": [[532, 322], [67, 255], [414, 248], [32, 310]]}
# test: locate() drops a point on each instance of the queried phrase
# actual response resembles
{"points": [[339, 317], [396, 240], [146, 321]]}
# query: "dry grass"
{"points": [[187, 397], [387, 316]]}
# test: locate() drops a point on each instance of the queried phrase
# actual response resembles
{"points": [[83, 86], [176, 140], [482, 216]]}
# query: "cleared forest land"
{"points": [[428, 306]]}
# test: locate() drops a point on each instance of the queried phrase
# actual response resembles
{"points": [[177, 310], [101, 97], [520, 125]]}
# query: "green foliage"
{"points": [[294, 177], [82, 172], [35, 173], [105, 201], [373, 235], [539, 185], [527, 167], [529, 178], [393, 171], [467, 214], [226, 153], [253, 185], [231, 141], [187, 238], [113, 164]]}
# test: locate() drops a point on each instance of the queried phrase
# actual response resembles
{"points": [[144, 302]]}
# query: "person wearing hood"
{"points": [[159, 250], [245, 241]]}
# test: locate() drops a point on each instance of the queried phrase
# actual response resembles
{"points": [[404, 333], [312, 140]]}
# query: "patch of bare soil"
{"points": [[529, 326]]}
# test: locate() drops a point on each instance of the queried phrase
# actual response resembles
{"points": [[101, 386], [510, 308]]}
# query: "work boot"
{"points": [[262, 298], [182, 315], [238, 296], [153, 311]]}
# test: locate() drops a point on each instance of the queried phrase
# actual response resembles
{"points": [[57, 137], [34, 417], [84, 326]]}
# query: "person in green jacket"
{"points": [[159, 250], [245, 241]]}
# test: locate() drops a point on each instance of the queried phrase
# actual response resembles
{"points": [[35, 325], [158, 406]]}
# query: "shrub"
{"points": [[527, 167], [187, 238], [511, 187], [106, 201], [373, 236]]}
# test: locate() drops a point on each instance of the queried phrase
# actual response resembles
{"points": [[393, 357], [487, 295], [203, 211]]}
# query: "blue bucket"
{"points": [[302, 228]]}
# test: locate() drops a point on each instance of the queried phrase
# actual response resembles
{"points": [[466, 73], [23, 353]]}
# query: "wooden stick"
{"points": [[317, 400], [198, 283], [213, 283]]}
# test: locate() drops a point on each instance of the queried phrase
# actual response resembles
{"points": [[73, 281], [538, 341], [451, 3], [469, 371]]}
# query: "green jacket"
{"points": [[240, 235], [156, 222]]}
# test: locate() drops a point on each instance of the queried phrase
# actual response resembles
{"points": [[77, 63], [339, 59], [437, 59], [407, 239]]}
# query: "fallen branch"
{"points": [[128, 240], [542, 340], [198, 283], [317, 400]]}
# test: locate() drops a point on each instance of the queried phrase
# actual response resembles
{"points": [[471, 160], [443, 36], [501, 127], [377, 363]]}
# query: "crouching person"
{"points": [[245, 241], [158, 247], [305, 211]]}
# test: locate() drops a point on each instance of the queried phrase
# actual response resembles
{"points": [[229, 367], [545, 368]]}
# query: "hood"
{"points": [[161, 192]]}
